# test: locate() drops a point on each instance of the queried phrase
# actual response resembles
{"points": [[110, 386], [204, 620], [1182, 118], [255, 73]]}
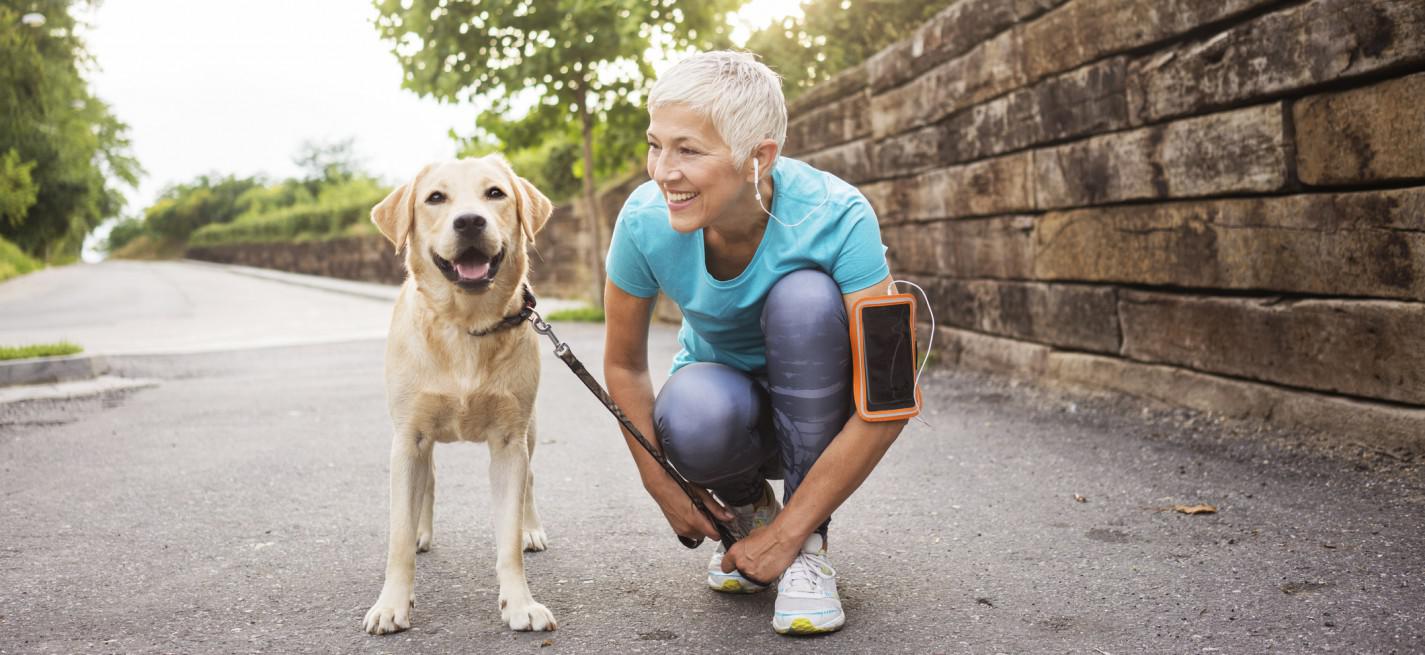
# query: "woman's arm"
{"points": [[840, 470], [626, 319]]}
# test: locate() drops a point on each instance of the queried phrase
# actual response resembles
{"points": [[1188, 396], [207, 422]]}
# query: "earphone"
{"points": [[757, 191]]}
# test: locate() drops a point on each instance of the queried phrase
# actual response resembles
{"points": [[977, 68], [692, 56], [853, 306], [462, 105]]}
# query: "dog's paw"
{"points": [[385, 617], [535, 540], [423, 542], [526, 617]]}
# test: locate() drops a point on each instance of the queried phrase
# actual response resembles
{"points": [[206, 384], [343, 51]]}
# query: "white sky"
{"points": [[236, 86]]}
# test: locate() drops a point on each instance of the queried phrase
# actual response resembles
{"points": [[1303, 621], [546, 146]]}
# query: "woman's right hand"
{"points": [[682, 515]]}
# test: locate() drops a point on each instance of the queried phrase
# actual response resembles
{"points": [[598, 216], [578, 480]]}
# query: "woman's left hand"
{"points": [[763, 555]]}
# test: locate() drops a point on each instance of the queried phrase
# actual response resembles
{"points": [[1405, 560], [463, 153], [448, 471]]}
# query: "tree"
{"points": [[327, 163], [833, 35], [580, 60], [74, 150]]}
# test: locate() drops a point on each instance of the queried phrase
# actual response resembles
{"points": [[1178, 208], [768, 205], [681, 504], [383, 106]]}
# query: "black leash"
{"points": [[562, 351]]}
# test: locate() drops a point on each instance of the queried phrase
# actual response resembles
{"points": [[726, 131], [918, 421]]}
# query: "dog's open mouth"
{"points": [[472, 270]]}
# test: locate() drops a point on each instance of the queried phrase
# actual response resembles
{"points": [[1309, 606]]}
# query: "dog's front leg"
{"points": [[410, 465], [509, 468]]}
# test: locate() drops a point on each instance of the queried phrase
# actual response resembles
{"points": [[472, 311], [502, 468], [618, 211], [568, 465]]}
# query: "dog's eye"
{"points": [[435, 198], [494, 193]]}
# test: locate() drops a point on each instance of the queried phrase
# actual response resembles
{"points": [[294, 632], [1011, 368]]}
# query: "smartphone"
{"points": [[884, 358]]}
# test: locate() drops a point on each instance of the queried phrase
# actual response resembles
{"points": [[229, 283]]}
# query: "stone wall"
{"points": [[1212, 204], [556, 267]]}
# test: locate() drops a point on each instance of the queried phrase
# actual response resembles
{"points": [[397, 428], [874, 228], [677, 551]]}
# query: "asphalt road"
{"points": [[240, 506]]}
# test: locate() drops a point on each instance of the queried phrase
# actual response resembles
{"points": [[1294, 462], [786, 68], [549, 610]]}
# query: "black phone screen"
{"points": [[890, 357]]}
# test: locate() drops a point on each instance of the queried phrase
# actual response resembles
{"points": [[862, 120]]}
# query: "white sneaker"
{"points": [[807, 602], [749, 518]]}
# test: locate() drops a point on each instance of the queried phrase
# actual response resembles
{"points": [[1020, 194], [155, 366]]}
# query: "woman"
{"points": [[764, 256]]}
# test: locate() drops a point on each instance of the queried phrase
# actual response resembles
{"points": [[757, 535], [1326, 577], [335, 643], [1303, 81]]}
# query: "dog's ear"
{"points": [[533, 207], [396, 215], [536, 208]]}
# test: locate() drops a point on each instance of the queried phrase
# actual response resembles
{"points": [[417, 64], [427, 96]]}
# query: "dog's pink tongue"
{"points": [[472, 271]]}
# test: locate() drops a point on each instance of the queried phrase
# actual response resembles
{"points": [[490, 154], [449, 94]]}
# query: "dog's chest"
{"points": [[469, 415]]}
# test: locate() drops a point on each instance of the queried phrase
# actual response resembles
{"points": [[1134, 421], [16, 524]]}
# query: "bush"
{"points": [[14, 262], [39, 350], [336, 212]]}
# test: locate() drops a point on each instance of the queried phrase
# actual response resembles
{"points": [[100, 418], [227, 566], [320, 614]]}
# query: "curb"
{"points": [[51, 370]]}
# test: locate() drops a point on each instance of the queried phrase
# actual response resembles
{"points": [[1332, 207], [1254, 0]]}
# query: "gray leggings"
{"points": [[727, 430]]}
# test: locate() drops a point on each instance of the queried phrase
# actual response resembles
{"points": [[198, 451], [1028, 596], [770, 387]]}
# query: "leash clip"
{"points": [[541, 327]]}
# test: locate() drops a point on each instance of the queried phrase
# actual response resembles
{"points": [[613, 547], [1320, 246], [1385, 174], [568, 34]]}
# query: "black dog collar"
{"points": [[512, 320]]}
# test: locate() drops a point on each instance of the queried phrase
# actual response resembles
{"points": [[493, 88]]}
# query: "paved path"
{"points": [[240, 506]]}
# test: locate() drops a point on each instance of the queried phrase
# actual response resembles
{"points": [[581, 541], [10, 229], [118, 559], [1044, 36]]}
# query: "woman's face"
{"points": [[693, 167]]}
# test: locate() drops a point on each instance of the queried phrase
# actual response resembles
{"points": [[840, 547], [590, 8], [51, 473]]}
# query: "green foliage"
{"points": [[835, 35], [14, 262], [71, 146], [18, 191], [336, 211], [39, 350], [501, 52], [184, 208], [578, 315]]}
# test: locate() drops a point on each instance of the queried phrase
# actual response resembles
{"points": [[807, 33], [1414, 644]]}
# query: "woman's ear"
{"points": [[765, 154], [396, 215]]}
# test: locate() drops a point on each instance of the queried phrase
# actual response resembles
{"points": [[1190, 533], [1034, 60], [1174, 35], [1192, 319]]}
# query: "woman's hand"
{"points": [[763, 555], [683, 517]]}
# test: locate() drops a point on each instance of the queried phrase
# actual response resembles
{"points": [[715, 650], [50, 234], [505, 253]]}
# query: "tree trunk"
{"points": [[593, 219]]}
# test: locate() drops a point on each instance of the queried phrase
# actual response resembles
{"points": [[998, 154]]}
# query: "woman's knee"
{"points": [[801, 298], [708, 418]]}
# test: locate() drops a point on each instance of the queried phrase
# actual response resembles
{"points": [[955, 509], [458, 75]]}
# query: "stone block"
{"points": [[994, 186], [988, 70], [888, 199], [1086, 30], [914, 247], [841, 85], [1305, 45], [849, 161], [1081, 317], [1366, 135], [1353, 244], [819, 128], [951, 33], [910, 152], [1368, 349], [1339, 419], [1088, 100], [1000, 247], [981, 352], [1231, 152]]}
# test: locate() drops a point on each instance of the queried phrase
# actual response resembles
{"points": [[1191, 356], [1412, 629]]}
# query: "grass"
{"points": [[14, 262], [39, 350], [578, 315], [150, 247]]}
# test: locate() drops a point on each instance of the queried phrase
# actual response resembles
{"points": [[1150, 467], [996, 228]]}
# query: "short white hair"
{"points": [[740, 95]]}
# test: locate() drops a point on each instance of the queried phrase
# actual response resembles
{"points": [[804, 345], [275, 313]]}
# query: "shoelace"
{"points": [[805, 573]]}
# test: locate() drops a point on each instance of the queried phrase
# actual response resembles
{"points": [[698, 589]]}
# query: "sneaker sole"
{"points": [[733, 586], [804, 626]]}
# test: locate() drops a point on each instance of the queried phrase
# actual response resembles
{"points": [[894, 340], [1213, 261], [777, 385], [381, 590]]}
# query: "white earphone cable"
{"points": [[757, 191], [930, 343]]}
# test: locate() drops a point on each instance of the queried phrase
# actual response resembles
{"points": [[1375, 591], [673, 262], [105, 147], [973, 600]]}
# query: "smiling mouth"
{"points": [[472, 270], [680, 198]]}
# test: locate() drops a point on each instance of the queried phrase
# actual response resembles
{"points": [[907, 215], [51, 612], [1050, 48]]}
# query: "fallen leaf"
{"points": [[1195, 509], [546, 642], [1080, 499]]}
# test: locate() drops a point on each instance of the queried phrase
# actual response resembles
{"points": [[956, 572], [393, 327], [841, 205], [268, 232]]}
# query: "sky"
{"points": [[236, 87]]}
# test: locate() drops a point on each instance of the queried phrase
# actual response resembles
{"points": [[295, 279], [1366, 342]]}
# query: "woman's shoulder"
{"points": [[808, 184]]}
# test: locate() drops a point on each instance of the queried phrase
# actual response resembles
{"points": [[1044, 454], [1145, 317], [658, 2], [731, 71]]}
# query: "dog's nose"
{"points": [[469, 223]]}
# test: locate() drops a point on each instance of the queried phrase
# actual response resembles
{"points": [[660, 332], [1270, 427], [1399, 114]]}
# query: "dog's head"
{"points": [[464, 218]]}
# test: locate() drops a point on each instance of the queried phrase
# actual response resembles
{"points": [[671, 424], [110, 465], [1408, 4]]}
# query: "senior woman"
{"points": [[764, 255]]}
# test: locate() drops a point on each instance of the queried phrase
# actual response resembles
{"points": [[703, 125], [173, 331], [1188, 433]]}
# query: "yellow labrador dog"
{"points": [[464, 226]]}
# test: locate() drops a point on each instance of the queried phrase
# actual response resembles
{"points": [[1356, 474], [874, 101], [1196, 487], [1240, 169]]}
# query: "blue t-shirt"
{"points": [[722, 318]]}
